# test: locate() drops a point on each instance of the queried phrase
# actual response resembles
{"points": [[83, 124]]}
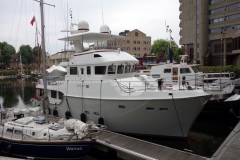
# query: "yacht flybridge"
{"points": [[100, 86]]}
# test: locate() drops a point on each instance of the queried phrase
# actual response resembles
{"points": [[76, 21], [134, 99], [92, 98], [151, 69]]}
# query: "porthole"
{"points": [[96, 113], [87, 112], [163, 109], [33, 133], [150, 108], [122, 107], [44, 134]]}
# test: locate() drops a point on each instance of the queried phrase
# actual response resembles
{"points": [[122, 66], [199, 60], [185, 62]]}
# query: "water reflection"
{"points": [[16, 92]]}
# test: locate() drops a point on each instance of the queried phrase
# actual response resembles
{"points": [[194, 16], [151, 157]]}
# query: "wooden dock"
{"points": [[229, 149], [132, 148]]}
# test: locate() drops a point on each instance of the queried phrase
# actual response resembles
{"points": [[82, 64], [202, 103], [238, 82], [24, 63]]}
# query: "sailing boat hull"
{"points": [[47, 149]]}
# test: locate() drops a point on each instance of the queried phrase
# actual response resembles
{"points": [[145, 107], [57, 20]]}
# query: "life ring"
{"points": [[9, 150], [83, 117]]}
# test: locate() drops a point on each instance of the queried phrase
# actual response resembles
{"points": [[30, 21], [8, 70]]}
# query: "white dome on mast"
{"points": [[83, 26], [104, 29]]}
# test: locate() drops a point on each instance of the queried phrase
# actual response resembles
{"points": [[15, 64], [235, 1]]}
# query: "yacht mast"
{"points": [[43, 56]]}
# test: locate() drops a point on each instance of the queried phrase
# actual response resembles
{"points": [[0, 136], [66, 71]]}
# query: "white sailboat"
{"points": [[21, 74], [100, 86]]}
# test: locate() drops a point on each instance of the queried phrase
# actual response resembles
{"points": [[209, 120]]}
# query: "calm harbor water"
{"points": [[207, 133]]}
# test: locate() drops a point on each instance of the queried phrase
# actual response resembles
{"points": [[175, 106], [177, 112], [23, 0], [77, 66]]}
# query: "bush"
{"points": [[229, 68], [7, 72]]}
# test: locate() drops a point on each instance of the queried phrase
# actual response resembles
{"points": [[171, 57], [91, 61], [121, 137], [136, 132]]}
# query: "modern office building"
{"points": [[134, 42], [209, 30]]}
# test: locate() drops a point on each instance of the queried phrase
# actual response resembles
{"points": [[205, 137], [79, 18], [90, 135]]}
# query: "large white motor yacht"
{"points": [[100, 86]]}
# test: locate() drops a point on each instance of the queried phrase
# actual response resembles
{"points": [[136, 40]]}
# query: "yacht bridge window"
{"points": [[112, 69], [127, 69], [73, 71], [53, 94], [120, 69], [133, 68], [167, 70], [185, 70], [60, 95], [100, 70]]}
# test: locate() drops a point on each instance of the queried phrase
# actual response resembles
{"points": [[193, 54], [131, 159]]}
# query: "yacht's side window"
{"points": [[99, 70], [88, 70], [133, 68], [82, 71], [112, 69], [60, 95], [185, 70], [120, 69], [73, 71], [127, 69], [167, 70], [53, 94]]}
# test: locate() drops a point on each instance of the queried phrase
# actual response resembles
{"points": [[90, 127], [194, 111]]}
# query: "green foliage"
{"points": [[26, 53], [229, 68], [7, 72], [35, 53], [6, 52]]}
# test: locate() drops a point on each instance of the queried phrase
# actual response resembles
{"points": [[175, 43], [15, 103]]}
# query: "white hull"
{"points": [[135, 118]]}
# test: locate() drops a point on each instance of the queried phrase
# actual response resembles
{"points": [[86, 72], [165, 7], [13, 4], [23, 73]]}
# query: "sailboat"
{"points": [[38, 135], [21, 74]]}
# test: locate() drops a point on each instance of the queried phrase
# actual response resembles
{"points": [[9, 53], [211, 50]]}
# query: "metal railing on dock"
{"points": [[138, 149]]}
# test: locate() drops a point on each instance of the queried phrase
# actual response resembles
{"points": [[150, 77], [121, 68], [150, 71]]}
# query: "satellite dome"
{"points": [[83, 26], [104, 29]]}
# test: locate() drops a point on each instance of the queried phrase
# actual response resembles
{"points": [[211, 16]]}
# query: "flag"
{"points": [[33, 20]]}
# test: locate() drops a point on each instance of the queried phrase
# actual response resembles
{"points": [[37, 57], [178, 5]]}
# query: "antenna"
{"points": [[102, 12]]}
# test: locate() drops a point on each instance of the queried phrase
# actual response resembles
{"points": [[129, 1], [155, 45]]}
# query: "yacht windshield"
{"points": [[195, 69], [112, 69], [127, 69], [120, 69]]}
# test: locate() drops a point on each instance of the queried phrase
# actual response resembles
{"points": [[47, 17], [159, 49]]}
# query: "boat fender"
{"points": [[68, 114], [83, 117], [55, 113], [49, 111], [101, 121], [9, 150]]}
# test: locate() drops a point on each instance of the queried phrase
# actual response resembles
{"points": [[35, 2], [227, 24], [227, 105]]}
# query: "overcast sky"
{"points": [[148, 16]]}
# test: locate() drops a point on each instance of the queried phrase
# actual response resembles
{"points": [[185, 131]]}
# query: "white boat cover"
{"points": [[49, 70], [79, 127], [234, 97], [34, 111], [24, 120]]}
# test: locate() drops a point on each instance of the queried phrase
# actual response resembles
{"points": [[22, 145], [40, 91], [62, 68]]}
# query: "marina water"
{"points": [[209, 130]]}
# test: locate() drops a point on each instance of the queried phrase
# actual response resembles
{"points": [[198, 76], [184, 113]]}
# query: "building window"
{"points": [[148, 42], [138, 42], [73, 71], [217, 20], [236, 26], [53, 94], [138, 48], [123, 41], [180, 28], [214, 30], [215, 1], [217, 48], [88, 70], [217, 10], [229, 47], [233, 17], [136, 33], [145, 48], [233, 6], [124, 48], [128, 41], [144, 42], [134, 48], [134, 42], [128, 48]]}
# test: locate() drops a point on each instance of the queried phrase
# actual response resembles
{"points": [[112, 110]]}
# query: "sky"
{"points": [[149, 16]]}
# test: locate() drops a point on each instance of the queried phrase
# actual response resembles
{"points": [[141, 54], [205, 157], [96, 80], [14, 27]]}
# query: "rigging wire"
{"points": [[55, 25], [48, 31], [26, 22], [19, 24], [102, 12], [12, 22]]}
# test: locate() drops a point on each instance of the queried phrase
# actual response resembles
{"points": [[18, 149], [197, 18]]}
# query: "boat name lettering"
{"points": [[73, 148], [156, 76]]}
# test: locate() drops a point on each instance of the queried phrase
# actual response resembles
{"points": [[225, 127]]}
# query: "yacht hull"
{"points": [[161, 117], [47, 149]]}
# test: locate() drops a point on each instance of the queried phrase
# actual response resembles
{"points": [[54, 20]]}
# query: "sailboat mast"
{"points": [[43, 54]]}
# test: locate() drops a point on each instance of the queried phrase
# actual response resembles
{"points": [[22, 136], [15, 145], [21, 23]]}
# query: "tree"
{"points": [[161, 46], [6, 51], [26, 53]]}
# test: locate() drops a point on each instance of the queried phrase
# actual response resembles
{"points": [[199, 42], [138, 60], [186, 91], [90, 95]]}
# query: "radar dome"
{"points": [[104, 29], [83, 26]]}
